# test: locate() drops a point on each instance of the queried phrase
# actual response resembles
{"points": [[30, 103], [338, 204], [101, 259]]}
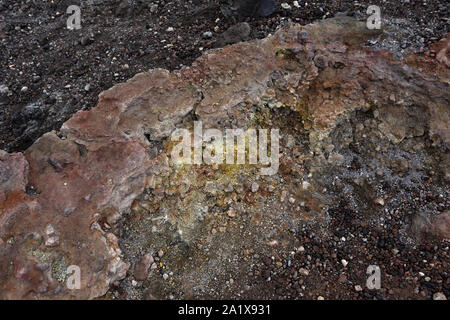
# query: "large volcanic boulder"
{"points": [[61, 200]]}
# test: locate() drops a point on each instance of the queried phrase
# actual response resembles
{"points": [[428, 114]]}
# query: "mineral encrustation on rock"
{"points": [[361, 133]]}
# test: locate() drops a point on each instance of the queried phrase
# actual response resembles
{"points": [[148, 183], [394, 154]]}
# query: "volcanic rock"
{"points": [[88, 174]]}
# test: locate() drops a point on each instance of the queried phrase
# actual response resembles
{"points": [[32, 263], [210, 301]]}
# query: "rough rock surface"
{"points": [[61, 200]]}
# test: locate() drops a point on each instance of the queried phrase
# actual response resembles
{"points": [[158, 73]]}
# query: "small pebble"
{"points": [[439, 296], [153, 8], [379, 201], [207, 35], [303, 272]]}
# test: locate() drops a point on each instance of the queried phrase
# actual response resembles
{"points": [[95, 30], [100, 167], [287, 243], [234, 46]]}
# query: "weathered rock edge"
{"points": [[85, 177]]}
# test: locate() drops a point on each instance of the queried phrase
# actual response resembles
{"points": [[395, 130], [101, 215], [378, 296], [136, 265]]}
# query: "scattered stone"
{"points": [[141, 269], [342, 278], [436, 227], [336, 159], [440, 225], [3, 89], [51, 236], [239, 188], [255, 187], [222, 229], [211, 187], [303, 272], [86, 40], [320, 62], [306, 185], [231, 213], [439, 296], [207, 35], [228, 188]]}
